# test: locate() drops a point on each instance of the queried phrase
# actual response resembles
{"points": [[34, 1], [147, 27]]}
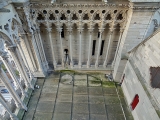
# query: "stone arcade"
{"points": [[121, 38]]}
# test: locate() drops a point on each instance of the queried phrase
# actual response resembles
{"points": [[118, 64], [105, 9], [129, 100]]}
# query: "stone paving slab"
{"points": [[32, 104], [61, 116], [96, 99], [80, 116], [95, 91], [64, 98], [80, 82], [29, 115], [114, 108], [45, 106], [80, 77], [42, 116], [111, 100], [109, 91], [80, 90], [80, 99], [97, 109], [49, 89], [65, 90], [63, 107], [98, 117], [47, 97], [80, 108], [115, 117], [51, 82]]}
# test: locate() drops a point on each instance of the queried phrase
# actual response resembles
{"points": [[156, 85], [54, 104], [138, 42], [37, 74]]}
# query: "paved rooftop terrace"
{"points": [[67, 95]]}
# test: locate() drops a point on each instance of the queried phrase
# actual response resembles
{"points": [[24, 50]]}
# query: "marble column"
{"points": [[99, 47], [4, 104], [49, 30], [61, 44], [12, 73], [70, 47], [80, 47], [118, 45], [42, 50], [26, 41], [90, 48], [20, 64], [4, 78], [24, 58], [109, 43]]}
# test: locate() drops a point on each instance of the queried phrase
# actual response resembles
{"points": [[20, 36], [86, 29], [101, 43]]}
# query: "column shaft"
{"points": [[62, 54], [52, 49], [3, 102], [80, 49], [89, 50], [30, 54], [109, 43], [21, 67], [70, 49], [25, 60], [98, 51], [119, 41], [13, 76], [42, 50], [12, 91]]}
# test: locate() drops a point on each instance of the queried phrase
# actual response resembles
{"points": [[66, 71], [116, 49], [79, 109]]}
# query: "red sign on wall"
{"points": [[135, 102]]}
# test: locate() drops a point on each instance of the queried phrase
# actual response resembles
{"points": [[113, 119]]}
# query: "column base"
{"points": [[79, 65], [55, 64], [88, 64], [71, 64], [96, 64]]}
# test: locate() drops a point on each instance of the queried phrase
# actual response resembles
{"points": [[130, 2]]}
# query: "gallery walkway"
{"points": [[85, 97]]}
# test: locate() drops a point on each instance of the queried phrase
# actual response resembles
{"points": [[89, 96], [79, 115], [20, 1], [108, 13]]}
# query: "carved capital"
{"points": [[59, 29], [49, 30], [101, 30]]}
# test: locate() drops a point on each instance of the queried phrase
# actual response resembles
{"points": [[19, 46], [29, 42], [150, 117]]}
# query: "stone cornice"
{"points": [[79, 5]]}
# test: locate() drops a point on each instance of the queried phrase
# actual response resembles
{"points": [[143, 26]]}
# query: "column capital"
{"points": [[101, 30], [49, 29], [59, 29], [121, 30], [69, 30], [80, 29], [90, 30]]}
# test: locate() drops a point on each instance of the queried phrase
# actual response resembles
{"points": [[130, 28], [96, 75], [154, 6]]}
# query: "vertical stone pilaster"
{"points": [[44, 60], [90, 46], [49, 30], [109, 43], [119, 42], [80, 29], [70, 47], [59, 29], [99, 47]]}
